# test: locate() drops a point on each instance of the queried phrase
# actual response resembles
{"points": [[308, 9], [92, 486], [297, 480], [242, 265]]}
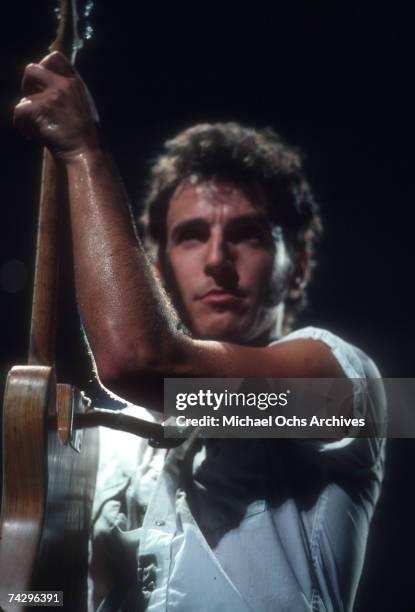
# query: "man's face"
{"points": [[227, 267]]}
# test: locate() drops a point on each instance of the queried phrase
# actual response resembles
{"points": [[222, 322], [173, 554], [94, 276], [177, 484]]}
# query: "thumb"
{"points": [[57, 62]]}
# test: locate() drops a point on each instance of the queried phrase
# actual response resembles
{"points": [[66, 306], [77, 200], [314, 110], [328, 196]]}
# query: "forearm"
{"points": [[128, 318]]}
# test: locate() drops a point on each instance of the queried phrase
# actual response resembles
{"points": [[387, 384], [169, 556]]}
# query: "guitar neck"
{"points": [[45, 291], [53, 193]]}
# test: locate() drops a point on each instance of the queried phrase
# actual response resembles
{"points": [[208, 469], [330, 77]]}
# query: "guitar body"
{"points": [[49, 478]]}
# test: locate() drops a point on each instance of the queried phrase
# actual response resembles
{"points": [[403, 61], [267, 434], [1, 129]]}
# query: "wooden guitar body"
{"points": [[49, 475]]}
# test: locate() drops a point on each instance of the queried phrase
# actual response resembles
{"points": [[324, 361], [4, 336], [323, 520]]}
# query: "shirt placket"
{"points": [[156, 535]]}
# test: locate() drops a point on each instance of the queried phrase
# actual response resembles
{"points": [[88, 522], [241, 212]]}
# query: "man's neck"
{"points": [[273, 333]]}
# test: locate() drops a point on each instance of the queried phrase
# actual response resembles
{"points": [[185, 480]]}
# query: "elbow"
{"points": [[122, 366], [115, 368], [112, 374]]}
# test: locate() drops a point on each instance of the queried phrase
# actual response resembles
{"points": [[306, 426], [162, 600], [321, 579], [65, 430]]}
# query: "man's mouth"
{"points": [[222, 297]]}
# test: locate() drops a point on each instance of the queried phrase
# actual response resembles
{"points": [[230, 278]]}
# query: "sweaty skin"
{"points": [[222, 275]]}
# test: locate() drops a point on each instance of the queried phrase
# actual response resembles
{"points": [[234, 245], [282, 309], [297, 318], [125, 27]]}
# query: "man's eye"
{"points": [[248, 234], [188, 235]]}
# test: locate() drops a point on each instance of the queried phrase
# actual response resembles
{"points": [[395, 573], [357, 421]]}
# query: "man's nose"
{"points": [[220, 262]]}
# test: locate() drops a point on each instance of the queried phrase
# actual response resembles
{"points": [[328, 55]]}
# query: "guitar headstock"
{"points": [[73, 26]]}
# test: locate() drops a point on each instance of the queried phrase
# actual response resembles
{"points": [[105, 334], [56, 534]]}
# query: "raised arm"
{"points": [[131, 325]]}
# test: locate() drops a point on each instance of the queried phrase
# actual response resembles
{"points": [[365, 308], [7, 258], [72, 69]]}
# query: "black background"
{"points": [[333, 77]]}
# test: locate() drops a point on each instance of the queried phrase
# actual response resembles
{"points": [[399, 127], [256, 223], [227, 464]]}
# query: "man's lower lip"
{"points": [[221, 298]]}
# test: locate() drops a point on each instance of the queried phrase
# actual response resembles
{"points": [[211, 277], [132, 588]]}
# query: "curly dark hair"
{"points": [[258, 161]]}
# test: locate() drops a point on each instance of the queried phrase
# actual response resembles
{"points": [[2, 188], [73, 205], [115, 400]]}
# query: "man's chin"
{"points": [[225, 329]]}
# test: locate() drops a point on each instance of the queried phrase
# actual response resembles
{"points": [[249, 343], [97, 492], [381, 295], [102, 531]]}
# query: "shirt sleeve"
{"points": [[356, 456]]}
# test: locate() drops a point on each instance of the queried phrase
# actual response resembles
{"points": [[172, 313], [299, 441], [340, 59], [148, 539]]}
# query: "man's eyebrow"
{"points": [[257, 219]]}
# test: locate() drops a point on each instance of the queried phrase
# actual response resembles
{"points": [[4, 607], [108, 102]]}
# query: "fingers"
{"points": [[57, 62], [56, 108], [24, 113], [39, 76], [36, 79]]}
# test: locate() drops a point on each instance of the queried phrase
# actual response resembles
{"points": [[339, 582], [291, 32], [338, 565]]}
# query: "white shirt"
{"points": [[237, 525]]}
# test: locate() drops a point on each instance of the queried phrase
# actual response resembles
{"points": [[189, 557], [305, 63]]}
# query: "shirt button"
{"points": [[160, 523]]}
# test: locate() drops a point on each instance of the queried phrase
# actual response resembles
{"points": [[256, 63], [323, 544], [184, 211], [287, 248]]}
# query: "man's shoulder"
{"points": [[354, 362]]}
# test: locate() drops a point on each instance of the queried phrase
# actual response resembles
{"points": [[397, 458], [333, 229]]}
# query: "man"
{"points": [[231, 525]]}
